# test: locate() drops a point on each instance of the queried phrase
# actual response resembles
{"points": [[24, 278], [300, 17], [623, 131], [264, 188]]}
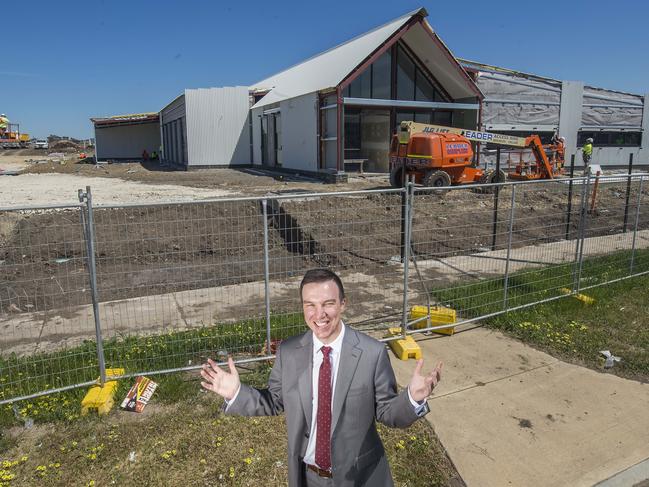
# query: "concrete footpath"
{"points": [[509, 415]]}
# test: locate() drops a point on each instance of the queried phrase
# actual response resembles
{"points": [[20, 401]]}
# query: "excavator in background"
{"points": [[10, 136], [439, 156]]}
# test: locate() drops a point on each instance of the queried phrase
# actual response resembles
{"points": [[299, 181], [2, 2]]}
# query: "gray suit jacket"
{"points": [[366, 391]]}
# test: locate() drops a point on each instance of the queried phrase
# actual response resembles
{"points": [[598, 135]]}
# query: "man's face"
{"points": [[323, 309]]}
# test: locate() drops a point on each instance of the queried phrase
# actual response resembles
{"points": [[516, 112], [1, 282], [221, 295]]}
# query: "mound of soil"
{"points": [[64, 146]]}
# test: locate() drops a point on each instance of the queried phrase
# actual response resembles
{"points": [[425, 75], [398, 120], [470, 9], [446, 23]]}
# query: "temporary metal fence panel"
{"points": [[161, 287], [47, 333], [180, 282], [358, 235], [616, 234], [459, 244]]}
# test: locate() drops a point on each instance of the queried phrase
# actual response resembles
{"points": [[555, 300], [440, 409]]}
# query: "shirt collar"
{"points": [[336, 345]]}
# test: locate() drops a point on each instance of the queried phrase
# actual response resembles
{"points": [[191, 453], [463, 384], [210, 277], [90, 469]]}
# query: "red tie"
{"points": [[323, 435]]}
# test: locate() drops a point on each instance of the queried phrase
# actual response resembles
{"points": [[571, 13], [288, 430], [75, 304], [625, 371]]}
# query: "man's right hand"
{"points": [[225, 384]]}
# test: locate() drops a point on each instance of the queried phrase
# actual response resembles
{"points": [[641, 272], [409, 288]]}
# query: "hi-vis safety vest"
{"points": [[587, 149]]}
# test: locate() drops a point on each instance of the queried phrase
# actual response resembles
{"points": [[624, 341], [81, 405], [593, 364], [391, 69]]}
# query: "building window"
{"points": [[424, 91], [352, 133], [610, 139], [381, 69], [443, 117], [405, 76], [374, 82], [412, 81], [361, 87]]}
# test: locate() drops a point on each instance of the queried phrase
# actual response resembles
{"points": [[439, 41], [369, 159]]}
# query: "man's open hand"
{"points": [[422, 385], [225, 384]]}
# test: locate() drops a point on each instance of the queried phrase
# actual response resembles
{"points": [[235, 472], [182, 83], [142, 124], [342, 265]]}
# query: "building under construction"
{"points": [[335, 112]]}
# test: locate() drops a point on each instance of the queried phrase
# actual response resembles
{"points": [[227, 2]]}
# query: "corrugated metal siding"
{"points": [[173, 111], [299, 132], [128, 141], [217, 126], [256, 134], [174, 131]]}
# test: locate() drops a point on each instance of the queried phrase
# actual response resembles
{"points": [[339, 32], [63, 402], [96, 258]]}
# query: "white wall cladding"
{"points": [[127, 141], [299, 132], [217, 126]]}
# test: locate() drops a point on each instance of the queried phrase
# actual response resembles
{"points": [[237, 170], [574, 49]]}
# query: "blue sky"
{"points": [[64, 62]]}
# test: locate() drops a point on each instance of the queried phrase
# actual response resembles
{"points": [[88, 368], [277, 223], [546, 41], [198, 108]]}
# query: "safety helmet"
{"points": [[589, 140], [562, 139], [2, 115]]}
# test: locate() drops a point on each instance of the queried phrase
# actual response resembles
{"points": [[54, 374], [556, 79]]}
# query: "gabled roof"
{"points": [[326, 70]]}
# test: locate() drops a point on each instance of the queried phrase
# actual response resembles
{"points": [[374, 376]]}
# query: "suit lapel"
{"points": [[349, 357], [304, 359]]}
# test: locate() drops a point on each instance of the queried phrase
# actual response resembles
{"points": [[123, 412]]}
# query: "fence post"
{"points": [[509, 247], [408, 199], [635, 228], [628, 193], [264, 206], [584, 221], [496, 198], [572, 175], [89, 231], [404, 180]]}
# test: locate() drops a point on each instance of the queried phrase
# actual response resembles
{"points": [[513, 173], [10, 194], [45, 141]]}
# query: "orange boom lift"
{"points": [[440, 156]]}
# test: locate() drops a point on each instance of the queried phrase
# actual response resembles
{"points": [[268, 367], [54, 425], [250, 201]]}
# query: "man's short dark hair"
{"points": [[323, 275]]}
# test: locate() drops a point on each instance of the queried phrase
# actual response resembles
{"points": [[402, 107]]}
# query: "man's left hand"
{"points": [[421, 385]]}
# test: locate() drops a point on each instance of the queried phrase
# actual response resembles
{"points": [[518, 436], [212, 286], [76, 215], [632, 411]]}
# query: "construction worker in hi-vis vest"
{"points": [[587, 154]]}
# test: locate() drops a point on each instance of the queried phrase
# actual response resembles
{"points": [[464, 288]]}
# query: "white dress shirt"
{"points": [[334, 358]]}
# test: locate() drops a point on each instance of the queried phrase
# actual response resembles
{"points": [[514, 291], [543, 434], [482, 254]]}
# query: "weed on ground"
{"points": [[183, 438]]}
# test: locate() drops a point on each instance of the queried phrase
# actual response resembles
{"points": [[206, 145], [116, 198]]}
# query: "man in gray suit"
{"points": [[333, 383]]}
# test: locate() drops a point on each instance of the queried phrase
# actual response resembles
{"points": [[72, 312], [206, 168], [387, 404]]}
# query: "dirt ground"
{"points": [[249, 181], [152, 250]]}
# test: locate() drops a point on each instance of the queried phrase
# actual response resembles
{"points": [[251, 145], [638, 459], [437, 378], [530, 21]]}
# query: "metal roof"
{"points": [[131, 118], [326, 70]]}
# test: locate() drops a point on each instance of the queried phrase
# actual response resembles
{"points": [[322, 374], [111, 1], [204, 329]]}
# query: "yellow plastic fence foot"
{"points": [[404, 348], [585, 299], [581, 297], [101, 399], [439, 315]]}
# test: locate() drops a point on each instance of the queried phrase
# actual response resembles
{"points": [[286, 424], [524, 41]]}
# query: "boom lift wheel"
{"points": [[436, 179], [396, 177], [489, 177]]}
